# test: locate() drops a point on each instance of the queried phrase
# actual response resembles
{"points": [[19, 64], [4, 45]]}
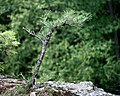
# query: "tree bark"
{"points": [[44, 45], [111, 9]]}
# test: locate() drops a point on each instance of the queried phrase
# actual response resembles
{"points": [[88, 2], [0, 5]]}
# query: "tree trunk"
{"points": [[111, 9]]}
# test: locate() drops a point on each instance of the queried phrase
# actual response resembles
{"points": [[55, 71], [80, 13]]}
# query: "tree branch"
{"points": [[32, 33]]}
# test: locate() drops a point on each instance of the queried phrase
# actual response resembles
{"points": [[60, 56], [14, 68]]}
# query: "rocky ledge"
{"points": [[85, 88], [51, 88]]}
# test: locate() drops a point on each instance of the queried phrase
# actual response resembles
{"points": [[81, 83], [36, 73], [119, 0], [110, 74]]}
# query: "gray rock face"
{"points": [[78, 89], [86, 88]]}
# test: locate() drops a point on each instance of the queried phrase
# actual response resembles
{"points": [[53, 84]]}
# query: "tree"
{"points": [[67, 18]]}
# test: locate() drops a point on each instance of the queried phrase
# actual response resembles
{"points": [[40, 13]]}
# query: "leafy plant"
{"points": [[8, 43]]}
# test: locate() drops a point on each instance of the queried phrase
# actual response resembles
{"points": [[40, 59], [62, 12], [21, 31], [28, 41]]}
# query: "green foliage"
{"points": [[7, 47], [82, 49]]}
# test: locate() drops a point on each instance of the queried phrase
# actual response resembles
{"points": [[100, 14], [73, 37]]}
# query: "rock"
{"points": [[86, 88], [33, 94], [51, 88]]}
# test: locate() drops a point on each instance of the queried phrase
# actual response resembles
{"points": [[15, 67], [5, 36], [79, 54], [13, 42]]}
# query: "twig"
{"points": [[22, 76], [32, 33]]}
